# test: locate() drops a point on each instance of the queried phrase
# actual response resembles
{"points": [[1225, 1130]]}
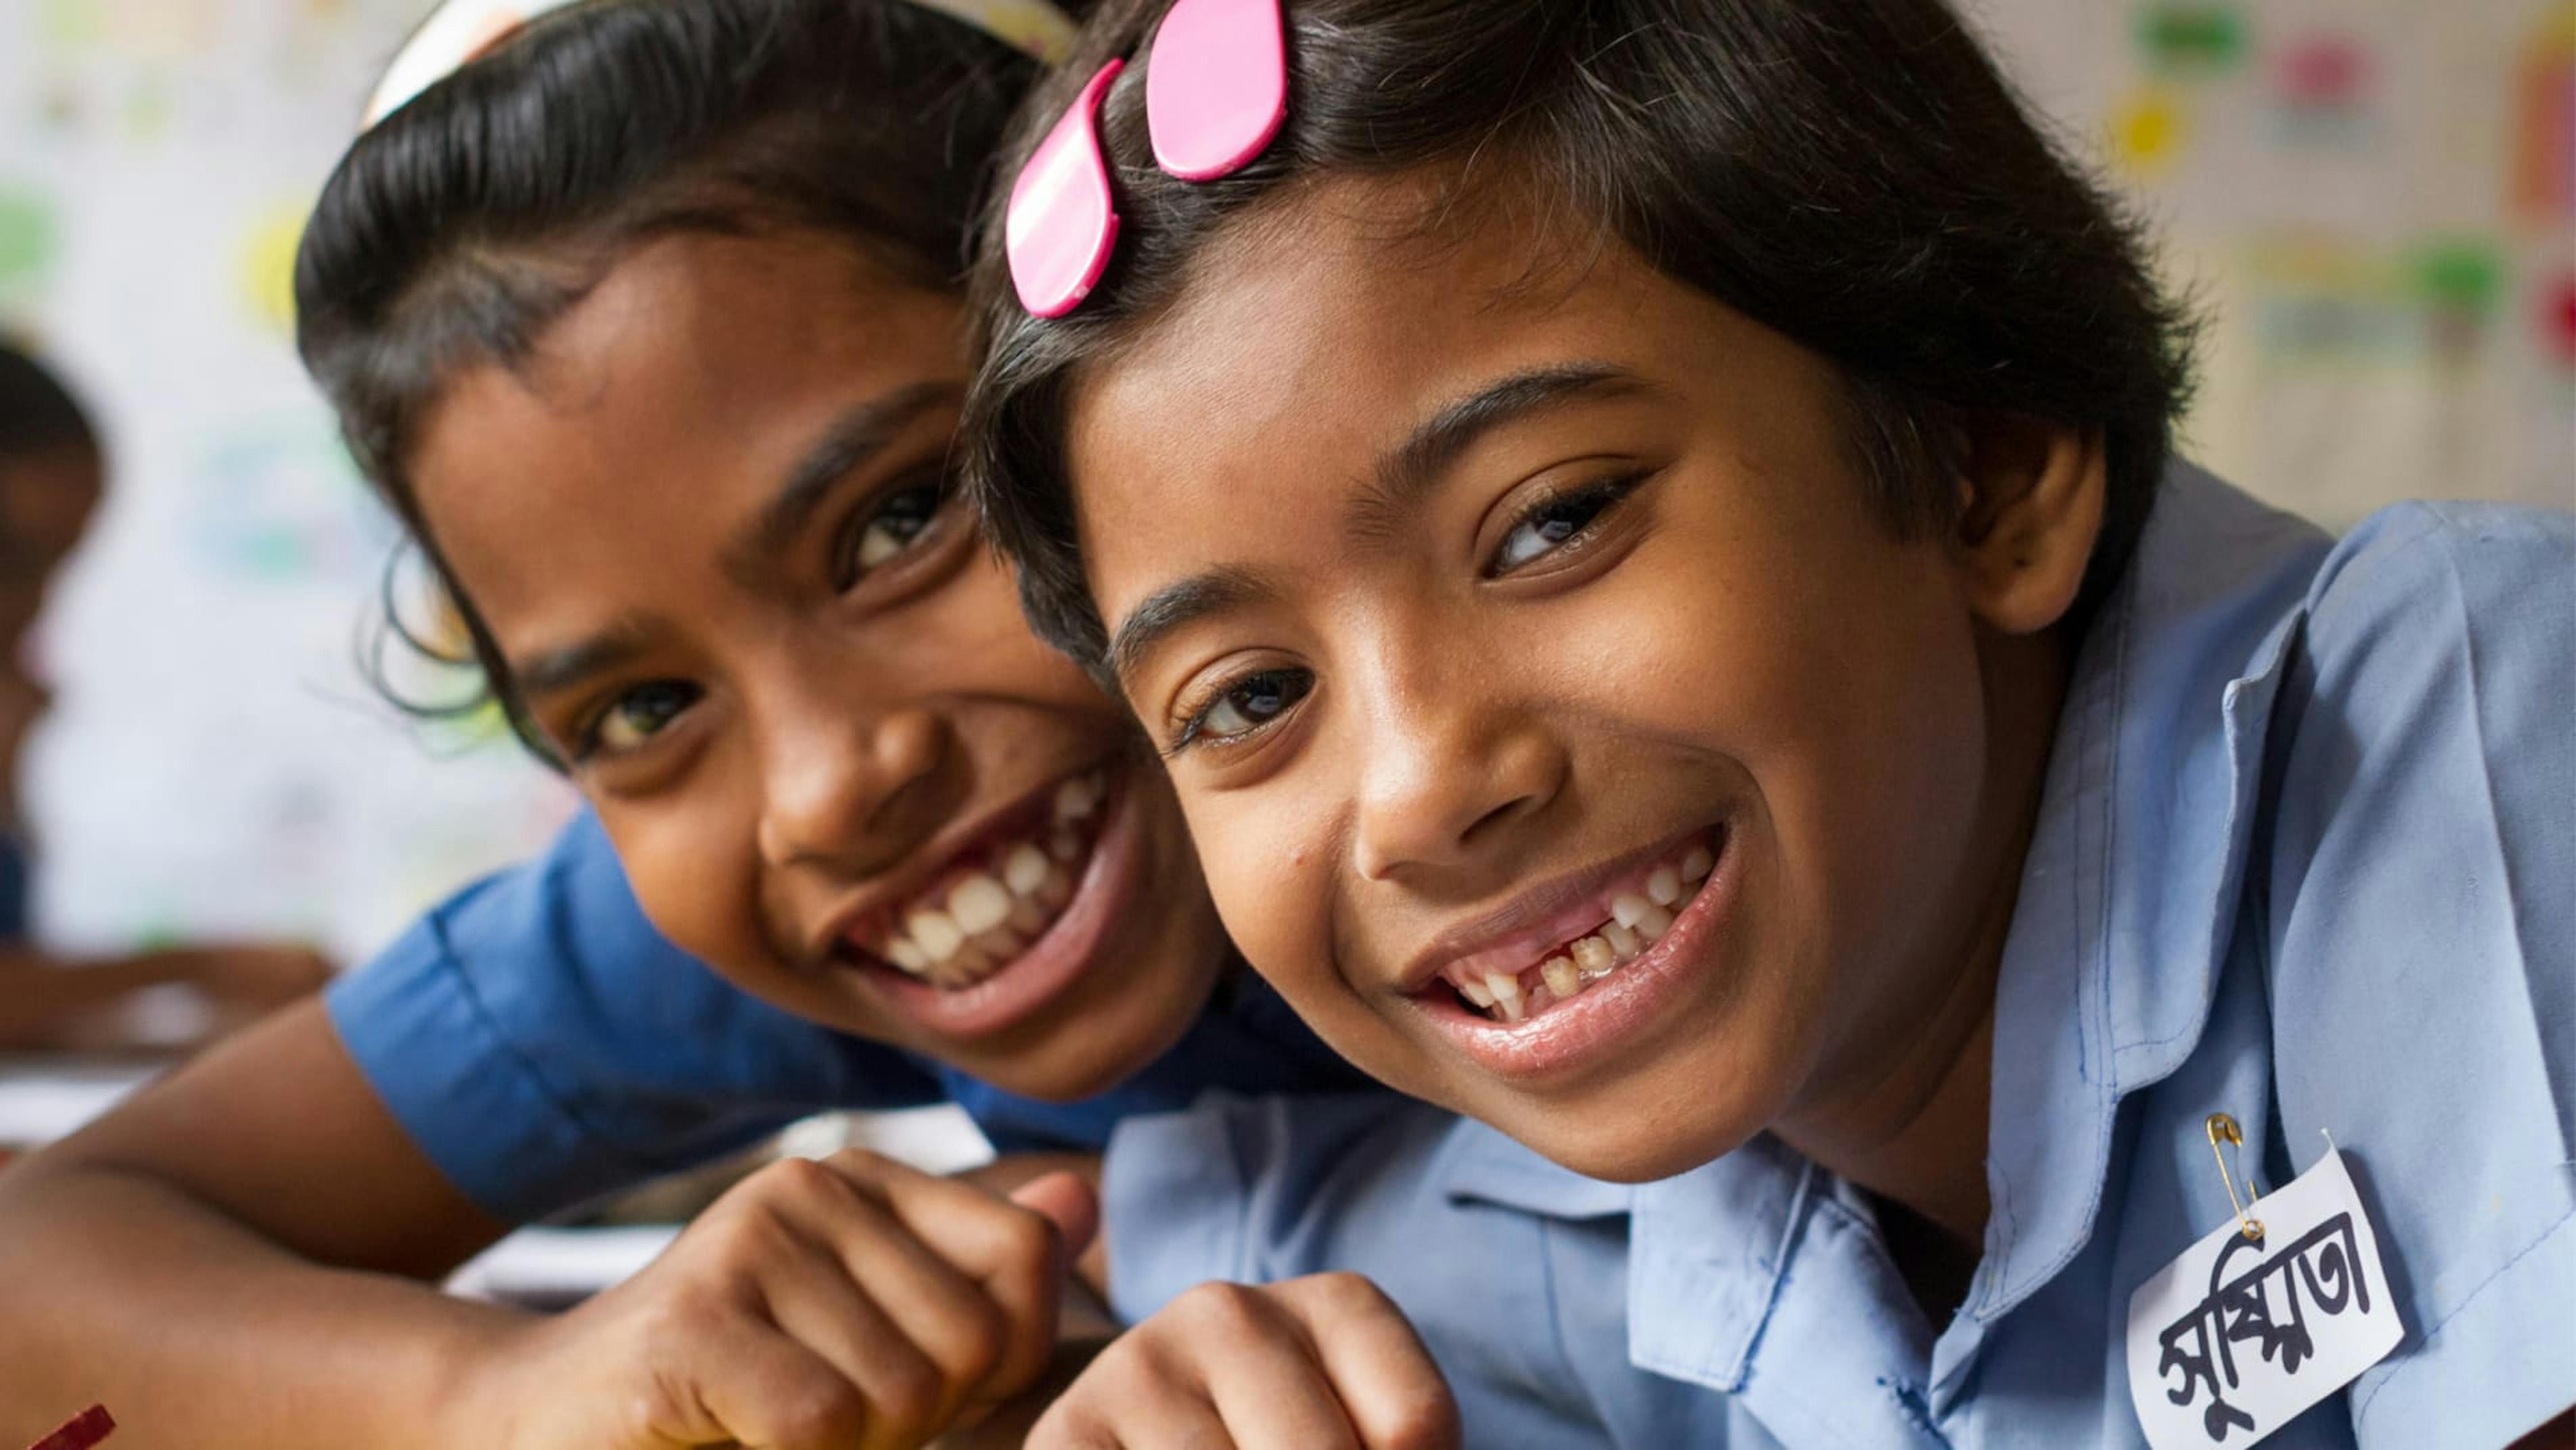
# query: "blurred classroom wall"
{"points": [[2374, 196]]}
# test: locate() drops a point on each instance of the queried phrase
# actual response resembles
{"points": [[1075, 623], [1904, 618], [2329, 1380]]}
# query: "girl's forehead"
{"points": [[673, 399], [1350, 292]]}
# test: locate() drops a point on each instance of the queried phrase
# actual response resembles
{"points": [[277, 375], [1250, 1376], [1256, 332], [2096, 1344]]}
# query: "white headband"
{"points": [[460, 30]]}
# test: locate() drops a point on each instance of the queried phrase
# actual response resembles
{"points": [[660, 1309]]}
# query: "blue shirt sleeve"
{"points": [[543, 1044], [2423, 947]]}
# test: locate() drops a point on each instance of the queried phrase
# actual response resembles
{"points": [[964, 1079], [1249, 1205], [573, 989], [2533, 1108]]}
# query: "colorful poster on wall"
{"points": [[2374, 201], [215, 763]]}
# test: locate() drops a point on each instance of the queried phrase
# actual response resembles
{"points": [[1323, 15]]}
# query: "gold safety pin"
{"points": [[2222, 1129]]}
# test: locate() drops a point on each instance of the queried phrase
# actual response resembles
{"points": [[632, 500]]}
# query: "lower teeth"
{"points": [[1596, 956]]}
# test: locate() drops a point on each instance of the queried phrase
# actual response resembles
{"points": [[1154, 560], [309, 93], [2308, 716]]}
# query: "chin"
{"points": [[1638, 1162], [1638, 1145], [1096, 1046]]}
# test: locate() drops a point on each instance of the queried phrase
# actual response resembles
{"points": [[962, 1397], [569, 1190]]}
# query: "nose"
{"points": [[848, 787], [1449, 763]]}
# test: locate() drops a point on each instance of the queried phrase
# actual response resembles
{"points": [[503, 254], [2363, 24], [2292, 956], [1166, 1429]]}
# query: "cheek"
{"points": [[1836, 687], [692, 866], [1271, 881], [1866, 743]]}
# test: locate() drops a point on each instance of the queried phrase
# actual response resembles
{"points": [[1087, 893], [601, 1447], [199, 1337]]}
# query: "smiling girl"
{"points": [[1648, 536], [646, 322]]}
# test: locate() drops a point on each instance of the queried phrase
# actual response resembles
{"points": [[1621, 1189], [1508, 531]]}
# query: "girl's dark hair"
{"points": [[37, 413], [455, 231], [1853, 174]]}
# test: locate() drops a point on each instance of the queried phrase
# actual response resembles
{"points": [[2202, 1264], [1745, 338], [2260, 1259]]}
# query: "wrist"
{"points": [[469, 1371]]}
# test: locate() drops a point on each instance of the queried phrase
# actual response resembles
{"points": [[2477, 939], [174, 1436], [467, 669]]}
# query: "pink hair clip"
{"points": [[1216, 93]]}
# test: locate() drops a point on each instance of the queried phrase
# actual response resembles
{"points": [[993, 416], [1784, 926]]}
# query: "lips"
{"points": [[1631, 915], [1525, 1027], [992, 900], [1007, 915]]}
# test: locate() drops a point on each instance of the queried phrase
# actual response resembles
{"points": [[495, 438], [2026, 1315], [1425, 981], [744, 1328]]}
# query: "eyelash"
{"points": [[1602, 497], [1292, 685], [587, 744], [848, 569]]}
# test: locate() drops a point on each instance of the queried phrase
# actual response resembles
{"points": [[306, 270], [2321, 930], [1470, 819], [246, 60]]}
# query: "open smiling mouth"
{"points": [[1634, 914], [998, 897]]}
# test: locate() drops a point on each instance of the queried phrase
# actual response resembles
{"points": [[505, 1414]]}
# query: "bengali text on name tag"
{"points": [[2238, 1336]]}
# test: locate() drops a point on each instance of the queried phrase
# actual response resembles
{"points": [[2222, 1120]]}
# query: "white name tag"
{"points": [[2232, 1340]]}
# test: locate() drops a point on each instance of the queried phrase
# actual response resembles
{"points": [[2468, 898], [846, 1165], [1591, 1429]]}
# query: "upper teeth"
{"points": [[987, 918], [1024, 868], [1075, 798], [979, 904], [1638, 918]]}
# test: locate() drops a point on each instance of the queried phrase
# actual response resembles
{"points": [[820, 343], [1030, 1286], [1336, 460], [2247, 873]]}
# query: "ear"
{"points": [[2032, 499]]}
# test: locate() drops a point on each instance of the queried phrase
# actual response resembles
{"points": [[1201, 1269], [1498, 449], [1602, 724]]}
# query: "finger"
{"points": [[1070, 1203], [1268, 1386], [1131, 1402], [1015, 1254], [906, 1396], [769, 1391], [944, 1316], [1386, 1381]]}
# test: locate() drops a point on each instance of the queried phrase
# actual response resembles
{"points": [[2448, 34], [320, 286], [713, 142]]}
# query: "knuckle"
{"points": [[1028, 1238], [1068, 1424], [1426, 1419], [1217, 1307], [665, 1327], [794, 1180], [1134, 1366], [847, 1166], [1347, 1292], [909, 1391], [752, 1233], [821, 1413], [972, 1343]]}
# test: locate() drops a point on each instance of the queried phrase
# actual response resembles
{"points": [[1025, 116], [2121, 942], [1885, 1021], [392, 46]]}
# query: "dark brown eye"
{"points": [[639, 714], [1246, 705], [1547, 526], [890, 527]]}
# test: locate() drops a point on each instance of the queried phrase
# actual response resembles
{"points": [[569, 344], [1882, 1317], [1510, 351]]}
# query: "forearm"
{"points": [[199, 1335], [37, 992]]}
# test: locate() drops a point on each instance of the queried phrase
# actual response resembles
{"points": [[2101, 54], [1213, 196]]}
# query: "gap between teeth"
{"points": [[1636, 922], [990, 916]]}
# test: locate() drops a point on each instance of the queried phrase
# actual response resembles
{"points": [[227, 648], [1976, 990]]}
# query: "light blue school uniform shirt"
{"points": [[2306, 855], [542, 1045]]}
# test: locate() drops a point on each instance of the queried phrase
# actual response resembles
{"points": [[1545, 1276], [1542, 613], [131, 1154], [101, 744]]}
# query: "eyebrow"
{"points": [[858, 435], [1176, 605], [1407, 474], [568, 667], [1404, 476]]}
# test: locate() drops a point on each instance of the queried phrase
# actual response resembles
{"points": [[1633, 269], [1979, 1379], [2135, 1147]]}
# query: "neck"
{"points": [[1916, 1132], [1911, 1125]]}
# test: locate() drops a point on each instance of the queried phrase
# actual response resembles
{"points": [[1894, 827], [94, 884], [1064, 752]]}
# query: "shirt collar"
{"points": [[1707, 1248], [2128, 896]]}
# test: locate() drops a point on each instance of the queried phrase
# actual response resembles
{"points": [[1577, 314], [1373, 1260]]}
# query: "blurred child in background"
{"points": [[51, 477]]}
